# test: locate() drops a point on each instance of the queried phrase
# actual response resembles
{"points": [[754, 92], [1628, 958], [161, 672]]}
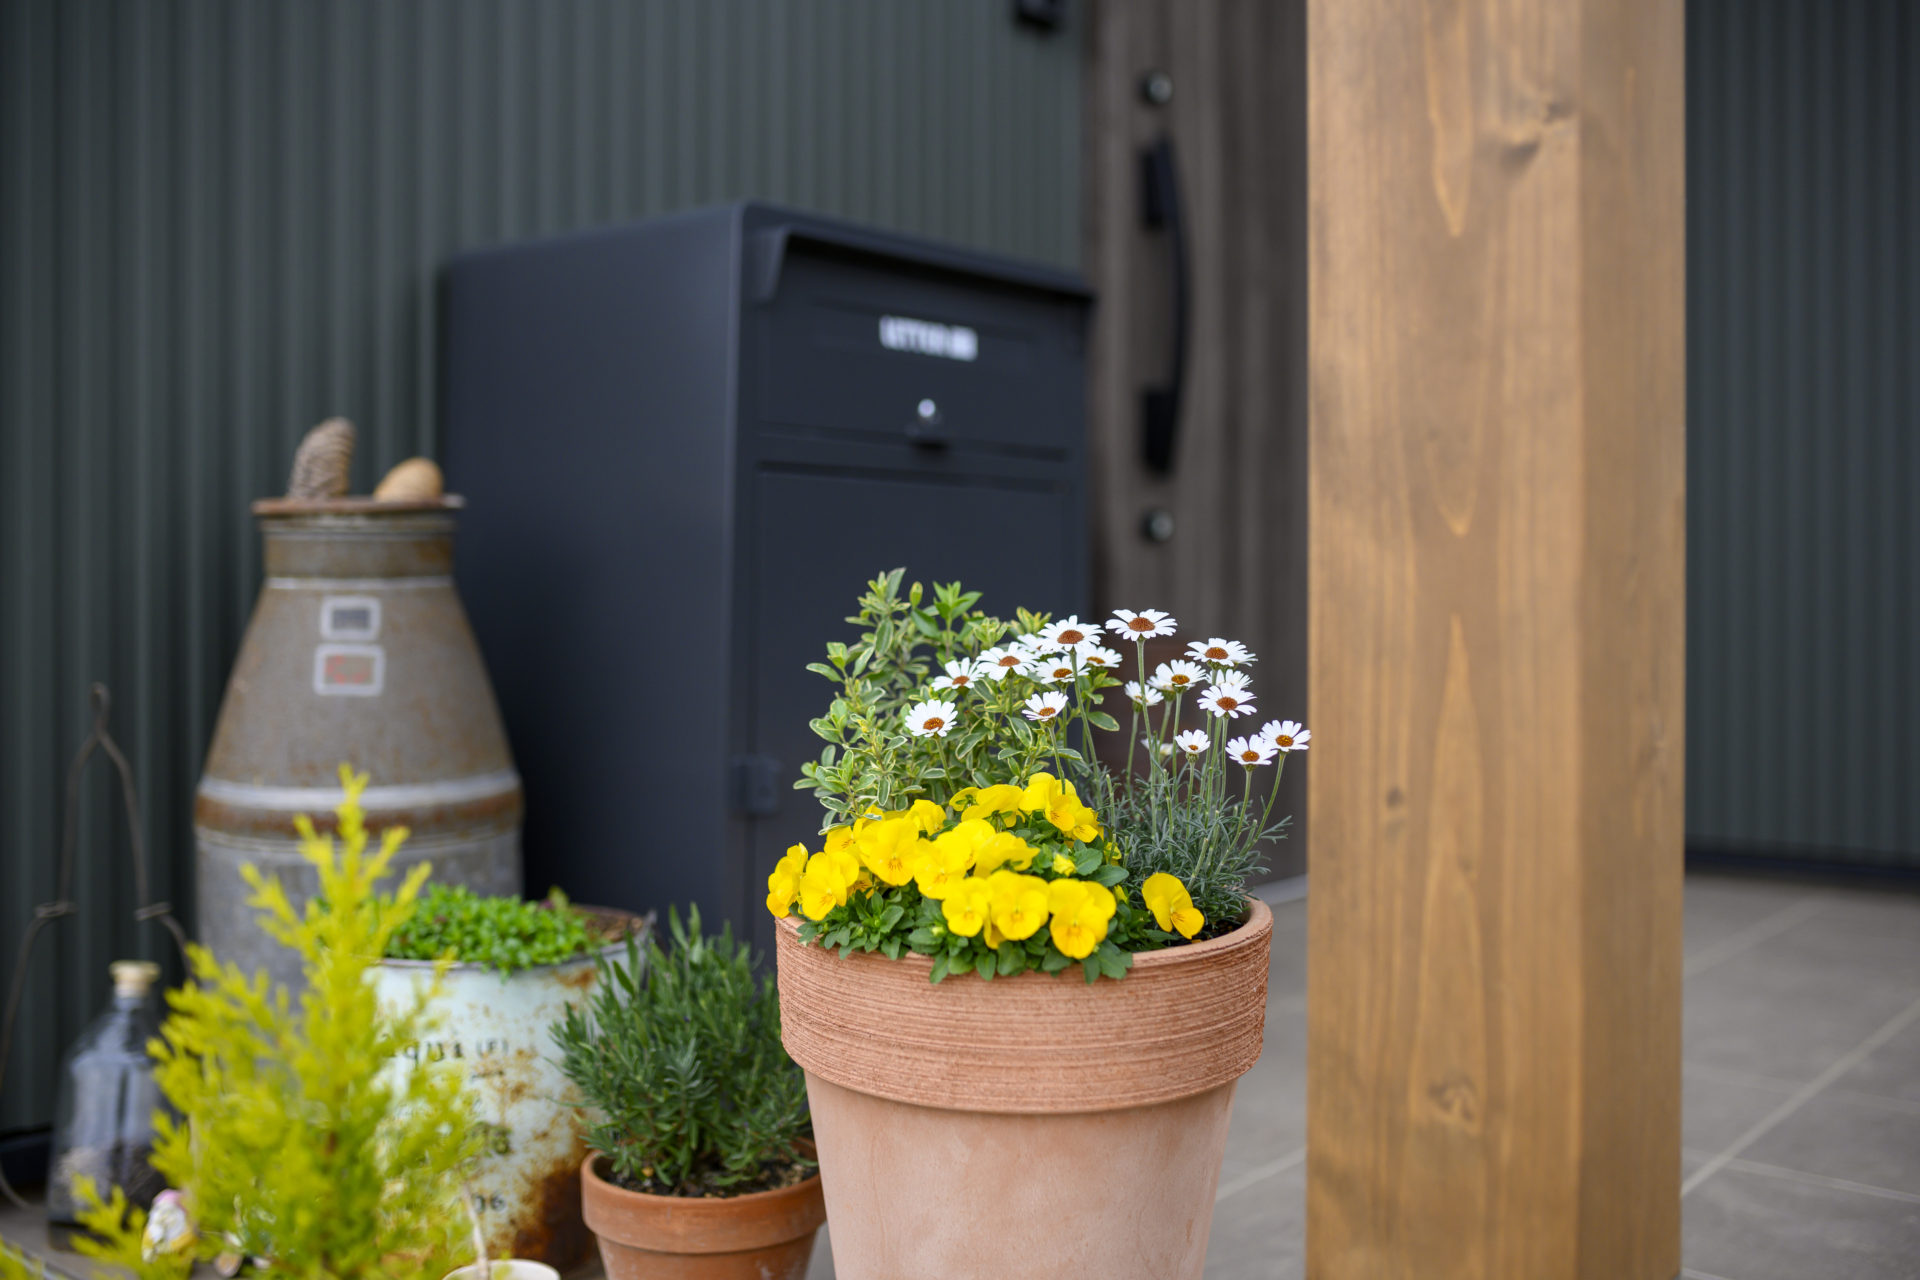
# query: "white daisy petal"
{"points": [[1286, 735], [1251, 751], [998, 663], [930, 719], [1178, 676], [1220, 653], [1226, 703], [1144, 625], [1069, 633], [1045, 706], [1144, 696], [1193, 741], [961, 673]]}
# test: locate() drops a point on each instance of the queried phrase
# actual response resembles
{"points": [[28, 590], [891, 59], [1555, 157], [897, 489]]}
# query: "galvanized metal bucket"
{"points": [[527, 1187], [358, 652]]}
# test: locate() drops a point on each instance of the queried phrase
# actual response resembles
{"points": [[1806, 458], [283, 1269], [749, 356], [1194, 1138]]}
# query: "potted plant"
{"points": [[700, 1167], [295, 1151], [495, 973], [1064, 1110]]}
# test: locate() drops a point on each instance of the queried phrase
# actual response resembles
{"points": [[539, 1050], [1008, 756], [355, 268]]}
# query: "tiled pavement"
{"points": [[1801, 1137]]}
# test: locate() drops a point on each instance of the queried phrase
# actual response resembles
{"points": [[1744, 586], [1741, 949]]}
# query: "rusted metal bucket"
{"points": [[527, 1186], [360, 653]]}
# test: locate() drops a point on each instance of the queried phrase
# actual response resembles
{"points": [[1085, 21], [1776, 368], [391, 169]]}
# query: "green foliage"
{"points": [[296, 1140], [504, 934], [680, 1062], [1213, 845], [871, 762]]}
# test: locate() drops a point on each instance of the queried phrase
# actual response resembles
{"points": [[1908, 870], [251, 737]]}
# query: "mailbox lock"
{"points": [[1156, 525], [925, 430]]}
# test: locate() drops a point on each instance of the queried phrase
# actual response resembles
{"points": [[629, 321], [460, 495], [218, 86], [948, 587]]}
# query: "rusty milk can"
{"points": [[358, 652]]}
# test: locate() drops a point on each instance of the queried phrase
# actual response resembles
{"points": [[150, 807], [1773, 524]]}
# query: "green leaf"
{"points": [[940, 964], [960, 962], [1101, 720], [1055, 961], [1011, 960], [1091, 967], [1109, 875]]}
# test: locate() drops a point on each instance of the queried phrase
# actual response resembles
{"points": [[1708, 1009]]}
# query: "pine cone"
{"points": [[321, 463]]}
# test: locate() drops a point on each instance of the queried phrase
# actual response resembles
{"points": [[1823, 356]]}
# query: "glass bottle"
{"points": [[103, 1124]]}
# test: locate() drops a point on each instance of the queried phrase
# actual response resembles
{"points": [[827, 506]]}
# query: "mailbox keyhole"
{"points": [[925, 429]]}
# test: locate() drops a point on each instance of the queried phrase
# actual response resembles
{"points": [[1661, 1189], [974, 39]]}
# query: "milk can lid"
{"points": [[133, 977]]}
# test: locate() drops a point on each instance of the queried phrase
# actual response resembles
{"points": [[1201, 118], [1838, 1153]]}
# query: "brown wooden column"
{"points": [[1496, 585]]}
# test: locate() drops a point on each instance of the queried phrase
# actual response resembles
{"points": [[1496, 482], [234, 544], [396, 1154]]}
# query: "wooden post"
{"points": [[1496, 585]]}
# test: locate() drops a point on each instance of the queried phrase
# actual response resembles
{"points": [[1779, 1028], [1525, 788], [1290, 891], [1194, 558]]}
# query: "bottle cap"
{"points": [[133, 977]]}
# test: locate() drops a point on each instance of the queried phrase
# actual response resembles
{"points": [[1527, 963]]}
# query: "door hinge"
{"points": [[756, 786]]}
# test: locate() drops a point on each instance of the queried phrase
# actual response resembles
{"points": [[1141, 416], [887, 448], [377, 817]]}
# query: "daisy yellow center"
{"points": [[1284, 741], [1072, 637], [933, 722], [1228, 701], [1011, 660], [1140, 624], [1045, 712], [1217, 655], [1177, 680], [1249, 755], [961, 679]]}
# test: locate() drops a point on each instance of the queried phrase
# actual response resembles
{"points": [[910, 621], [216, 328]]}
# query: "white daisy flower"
{"points": [[1094, 656], [1069, 633], [1144, 695], [1226, 702], [1250, 751], [1053, 669], [960, 674], [1234, 681], [1286, 735], [1177, 676], [998, 663], [1044, 706], [1163, 750], [1220, 653], [1144, 625], [1193, 741], [930, 719]]}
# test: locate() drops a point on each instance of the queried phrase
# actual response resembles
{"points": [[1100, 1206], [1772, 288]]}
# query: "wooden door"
{"points": [[1235, 494]]}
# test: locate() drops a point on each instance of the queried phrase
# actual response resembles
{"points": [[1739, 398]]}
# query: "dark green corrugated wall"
{"points": [[220, 222], [1803, 463]]}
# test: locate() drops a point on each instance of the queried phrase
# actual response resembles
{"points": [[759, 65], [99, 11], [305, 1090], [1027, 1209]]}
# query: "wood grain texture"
{"points": [[1496, 615], [1236, 566]]}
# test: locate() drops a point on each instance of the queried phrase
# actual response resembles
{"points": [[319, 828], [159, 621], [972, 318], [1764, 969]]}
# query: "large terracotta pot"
{"points": [[1028, 1126], [767, 1235]]}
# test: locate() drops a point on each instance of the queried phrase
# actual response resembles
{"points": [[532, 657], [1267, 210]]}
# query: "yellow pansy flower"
{"points": [[1171, 904], [822, 887], [1062, 865], [947, 859], [1080, 911], [929, 815], [1004, 850], [838, 839], [1019, 903], [992, 936], [891, 848], [1059, 803], [992, 801], [967, 907], [783, 884]]}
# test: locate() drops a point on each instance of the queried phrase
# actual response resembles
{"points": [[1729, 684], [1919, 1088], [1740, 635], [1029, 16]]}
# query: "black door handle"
{"points": [[1160, 210]]}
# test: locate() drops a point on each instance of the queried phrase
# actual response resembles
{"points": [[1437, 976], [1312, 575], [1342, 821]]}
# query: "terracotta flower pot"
{"points": [[767, 1235], [1028, 1126]]}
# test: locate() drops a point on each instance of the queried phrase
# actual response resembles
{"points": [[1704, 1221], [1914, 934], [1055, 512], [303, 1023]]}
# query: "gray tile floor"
{"points": [[1801, 1142]]}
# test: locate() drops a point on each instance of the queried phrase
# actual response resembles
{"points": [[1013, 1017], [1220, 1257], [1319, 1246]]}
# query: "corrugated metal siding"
{"points": [[220, 221], [1803, 698]]}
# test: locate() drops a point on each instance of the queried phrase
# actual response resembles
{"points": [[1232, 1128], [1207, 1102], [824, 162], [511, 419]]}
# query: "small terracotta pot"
{"points": [[767, 1235], [1036, 1125]]}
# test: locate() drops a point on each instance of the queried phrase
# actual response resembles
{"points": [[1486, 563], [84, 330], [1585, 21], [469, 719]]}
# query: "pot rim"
{"points": [[367, 506], [751, 1198], [642, 932]]}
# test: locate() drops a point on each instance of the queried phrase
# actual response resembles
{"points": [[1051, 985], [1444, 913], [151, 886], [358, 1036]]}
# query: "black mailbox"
{"points": [[685, 446]]}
